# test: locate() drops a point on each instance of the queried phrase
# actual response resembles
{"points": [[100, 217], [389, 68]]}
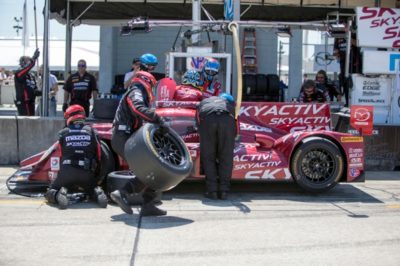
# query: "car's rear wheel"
{"points": [[159, 161], [317, 165]]}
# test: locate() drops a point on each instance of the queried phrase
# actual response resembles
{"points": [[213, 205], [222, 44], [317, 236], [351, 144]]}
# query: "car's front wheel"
{"points": [[317, 165]]}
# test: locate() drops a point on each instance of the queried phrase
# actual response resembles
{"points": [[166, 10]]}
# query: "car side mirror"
{"points": [[264, 141]]}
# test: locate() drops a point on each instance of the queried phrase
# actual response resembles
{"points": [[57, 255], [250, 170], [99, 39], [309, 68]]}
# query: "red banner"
{"points": [[361, 118]]}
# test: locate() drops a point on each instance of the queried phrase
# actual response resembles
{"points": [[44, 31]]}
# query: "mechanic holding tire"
{"points": [[80, 157], [217, 128], [133, 110]]}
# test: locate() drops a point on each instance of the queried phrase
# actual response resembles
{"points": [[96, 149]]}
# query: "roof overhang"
{"points": [[112, 12]]}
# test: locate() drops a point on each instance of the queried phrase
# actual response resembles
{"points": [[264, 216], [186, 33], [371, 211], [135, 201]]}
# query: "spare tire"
{"points": [[160, 161]]}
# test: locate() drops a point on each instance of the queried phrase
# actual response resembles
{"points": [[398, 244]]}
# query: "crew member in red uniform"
{"points": [[209, 84], [80, 157], [25, 85], [133, 110], [79, 88]]}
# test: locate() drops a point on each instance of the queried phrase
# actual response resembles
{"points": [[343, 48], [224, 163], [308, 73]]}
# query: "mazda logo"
{"points": [[361, 114]]}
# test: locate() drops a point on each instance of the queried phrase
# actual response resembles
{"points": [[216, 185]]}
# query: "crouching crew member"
{"points": [[217, 129], [80, 157], [133, 110]]}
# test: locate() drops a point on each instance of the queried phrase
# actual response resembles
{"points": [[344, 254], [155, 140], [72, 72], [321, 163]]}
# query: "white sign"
{"points": [[324, 59], [371, 91], [380, 62], [378, 27]]}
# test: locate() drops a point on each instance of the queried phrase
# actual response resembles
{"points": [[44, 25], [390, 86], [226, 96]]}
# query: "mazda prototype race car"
{"points": [[277, 142]]}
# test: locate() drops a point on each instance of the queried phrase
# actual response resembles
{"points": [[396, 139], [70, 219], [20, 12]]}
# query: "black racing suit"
{"points": [[217, 128], [80, 157], [25, 90], [133, 110], [81, 89]]}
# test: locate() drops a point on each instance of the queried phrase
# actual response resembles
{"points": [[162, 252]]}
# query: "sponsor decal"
{"points": [[356, 165], [253, 157], [294, 135], [246, 166], [351, 139], [354, 150], [299, 120], [55, 163], [361, 118], [282, 110], [78, 137], [356, 155], [256, 128], [309, 128], [355, 160], [354, 172], [273, 174]]}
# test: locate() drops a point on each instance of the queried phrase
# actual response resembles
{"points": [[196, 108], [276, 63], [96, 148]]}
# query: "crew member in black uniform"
{"points": [[133, 110], [217, 129], [79, 88], [80, 157], [25, 85]]}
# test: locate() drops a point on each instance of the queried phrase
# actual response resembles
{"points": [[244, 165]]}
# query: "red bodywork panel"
{"points": [[279, 128]]}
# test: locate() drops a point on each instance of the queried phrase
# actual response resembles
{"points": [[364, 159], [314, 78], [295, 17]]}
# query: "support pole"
{"points": [[68, 42], [196, 17], [45, 78]]}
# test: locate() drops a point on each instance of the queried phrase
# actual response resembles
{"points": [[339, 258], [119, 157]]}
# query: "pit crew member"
{"points": [[133, 110], [80, 157], [79, 88], [26, 88], [217, 128]]}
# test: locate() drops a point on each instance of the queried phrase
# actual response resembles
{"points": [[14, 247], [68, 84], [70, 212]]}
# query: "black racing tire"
{"points": [[107, 163], [118, 179], [160, 161], [317, 165]]}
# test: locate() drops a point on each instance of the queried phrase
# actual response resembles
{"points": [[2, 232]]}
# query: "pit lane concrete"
{"points": [[261, 224]]}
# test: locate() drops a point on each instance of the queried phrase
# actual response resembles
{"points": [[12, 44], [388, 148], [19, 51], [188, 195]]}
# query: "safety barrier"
{"points": [[21, 137]]}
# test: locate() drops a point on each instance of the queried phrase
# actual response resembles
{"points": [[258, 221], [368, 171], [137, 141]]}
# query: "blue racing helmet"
{"points": [[191, 77], [227, 96], [211, 68], [148, 61]]}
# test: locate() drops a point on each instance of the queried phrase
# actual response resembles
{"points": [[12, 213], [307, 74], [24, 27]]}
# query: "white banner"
{"points": [[380, 62], [378, 27], [371, 91]]}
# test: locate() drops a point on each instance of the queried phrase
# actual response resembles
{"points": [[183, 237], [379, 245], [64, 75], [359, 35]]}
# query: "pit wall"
{"points": [[21, 136]]}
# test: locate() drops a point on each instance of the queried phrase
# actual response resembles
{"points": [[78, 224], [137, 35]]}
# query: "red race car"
{"points": [[278, 142]]}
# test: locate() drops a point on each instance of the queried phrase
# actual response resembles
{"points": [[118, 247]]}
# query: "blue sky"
{"points": [[13, 8]]}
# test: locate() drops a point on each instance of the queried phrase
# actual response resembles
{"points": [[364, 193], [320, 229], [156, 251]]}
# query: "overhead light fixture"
{"points": [[337, 30], [139, 24], [284, 32]]}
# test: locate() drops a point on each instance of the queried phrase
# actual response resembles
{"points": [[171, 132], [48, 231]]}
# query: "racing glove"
{"points": [[36, 54], [64, 107]]}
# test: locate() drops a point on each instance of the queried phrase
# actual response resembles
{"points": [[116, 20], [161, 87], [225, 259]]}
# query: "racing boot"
{"points": [[101, 197], [50, 195], [62, 198], [149, 209], [119, 198]]}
